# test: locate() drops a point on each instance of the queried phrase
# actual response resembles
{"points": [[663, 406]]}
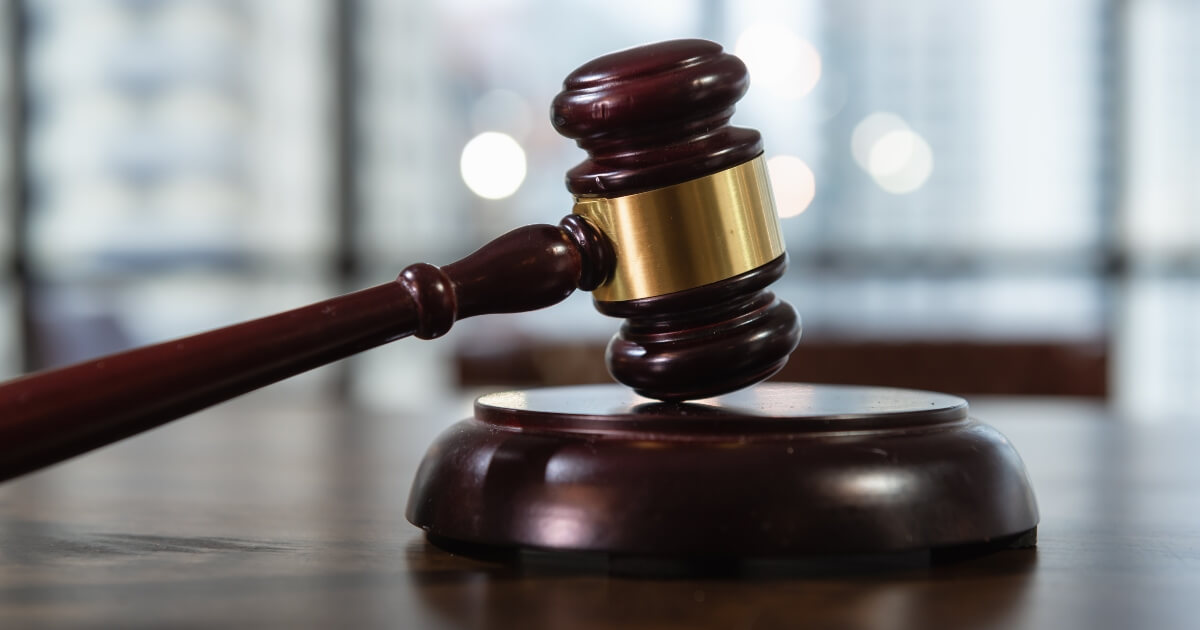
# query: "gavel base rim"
{"points": [[780, 469]]}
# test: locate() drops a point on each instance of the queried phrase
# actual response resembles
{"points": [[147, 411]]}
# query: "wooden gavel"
{"points": [[673, 229]]}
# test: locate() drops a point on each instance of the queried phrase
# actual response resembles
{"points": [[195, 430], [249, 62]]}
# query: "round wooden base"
{"points": [[775, 470]]}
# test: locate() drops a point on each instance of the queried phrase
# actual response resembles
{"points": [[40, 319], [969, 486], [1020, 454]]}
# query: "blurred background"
{"points": [[982, 197]]}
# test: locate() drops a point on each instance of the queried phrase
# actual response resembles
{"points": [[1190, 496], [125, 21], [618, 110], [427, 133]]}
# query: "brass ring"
{"points": [[689, 234]]}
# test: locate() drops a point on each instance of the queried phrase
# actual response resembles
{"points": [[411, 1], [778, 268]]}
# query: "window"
{"points": [[1001, 171]]}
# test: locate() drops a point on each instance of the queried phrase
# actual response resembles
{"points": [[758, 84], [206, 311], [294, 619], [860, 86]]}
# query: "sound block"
{"points": [[780, 469]]}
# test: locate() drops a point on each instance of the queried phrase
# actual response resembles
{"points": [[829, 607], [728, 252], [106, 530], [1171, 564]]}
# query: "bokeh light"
{"points": [[493, 165], [779, 60], [792, 183], [890, 153], [895, 156], [901, 162], [869, 131]]}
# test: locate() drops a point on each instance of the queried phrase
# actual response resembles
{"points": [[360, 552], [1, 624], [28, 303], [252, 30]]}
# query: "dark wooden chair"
{"points": [[962, 366]]}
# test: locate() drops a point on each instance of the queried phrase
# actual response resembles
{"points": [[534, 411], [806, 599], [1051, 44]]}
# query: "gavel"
{"points": [[673, 228]]}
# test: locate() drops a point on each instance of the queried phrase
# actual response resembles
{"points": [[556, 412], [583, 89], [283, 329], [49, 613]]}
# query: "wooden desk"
{"points": [[264, 514]]}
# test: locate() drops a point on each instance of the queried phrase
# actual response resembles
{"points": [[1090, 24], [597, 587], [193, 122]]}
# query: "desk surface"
{"points": [[269, 515]]}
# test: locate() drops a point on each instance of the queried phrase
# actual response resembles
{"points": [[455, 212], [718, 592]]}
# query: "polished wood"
{"points": [[53, 415], [653, 116], [650, 117], [811, 469], [705, 341], [57, 414], [280, 512]]}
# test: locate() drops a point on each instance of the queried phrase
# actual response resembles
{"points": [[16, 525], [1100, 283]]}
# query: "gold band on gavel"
{"points": [[687, 235]]}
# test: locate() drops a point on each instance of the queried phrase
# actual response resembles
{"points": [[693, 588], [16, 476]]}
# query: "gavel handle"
{"points": [[50, 416]]}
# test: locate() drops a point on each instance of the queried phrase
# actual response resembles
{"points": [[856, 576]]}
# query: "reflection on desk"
{"points": [[266, 514]]}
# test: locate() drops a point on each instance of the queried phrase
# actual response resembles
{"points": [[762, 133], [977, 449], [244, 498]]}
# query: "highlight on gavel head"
{"points": [[684, 201]]}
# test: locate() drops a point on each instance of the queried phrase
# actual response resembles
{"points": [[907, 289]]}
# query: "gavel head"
{"points": [[683, 201]]}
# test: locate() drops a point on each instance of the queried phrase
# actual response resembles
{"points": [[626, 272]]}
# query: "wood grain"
{"points": [[267, 513]]}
